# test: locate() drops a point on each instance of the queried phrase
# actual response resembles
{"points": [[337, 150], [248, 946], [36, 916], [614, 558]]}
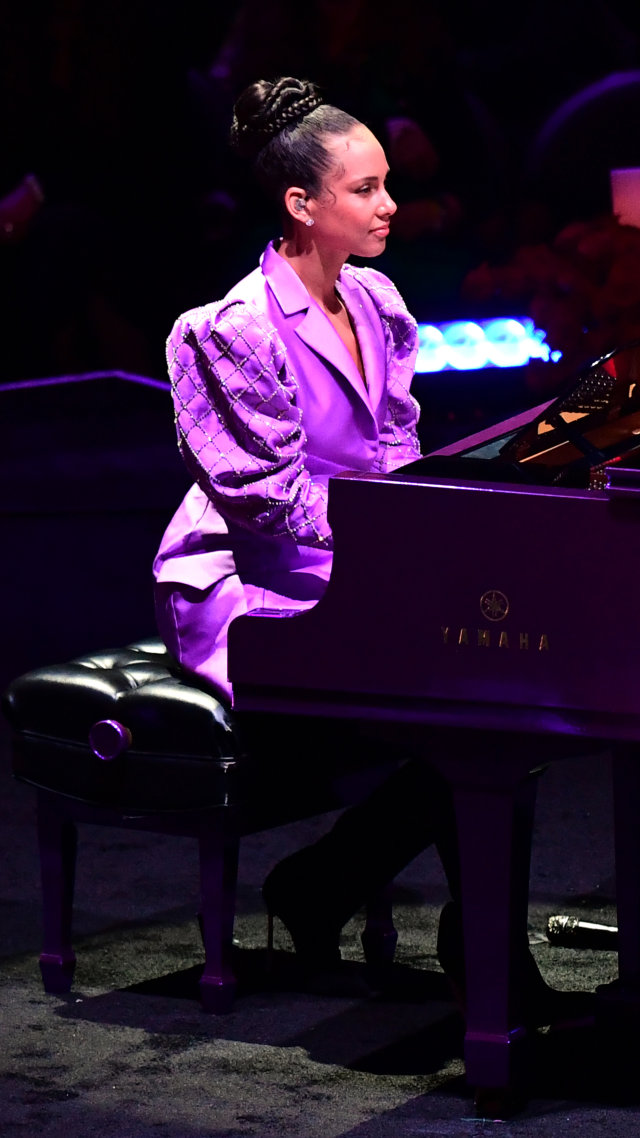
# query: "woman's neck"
{"points": [[317, 271]]}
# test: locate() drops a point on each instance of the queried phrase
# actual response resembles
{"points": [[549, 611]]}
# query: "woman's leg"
{"points": [[316, 890]]}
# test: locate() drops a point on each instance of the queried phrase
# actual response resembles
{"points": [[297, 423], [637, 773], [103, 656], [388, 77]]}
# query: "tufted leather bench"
{"points": [[123, 738]]}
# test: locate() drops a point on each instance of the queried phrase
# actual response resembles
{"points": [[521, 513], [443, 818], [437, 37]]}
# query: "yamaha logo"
{"points": [[494, 605]]}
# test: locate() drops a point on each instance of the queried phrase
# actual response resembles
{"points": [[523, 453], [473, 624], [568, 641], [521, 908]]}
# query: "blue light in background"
{"points": [[466, 345]]}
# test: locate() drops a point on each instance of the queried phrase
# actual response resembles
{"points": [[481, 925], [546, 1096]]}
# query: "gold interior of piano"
{"points": [[597, 420]]}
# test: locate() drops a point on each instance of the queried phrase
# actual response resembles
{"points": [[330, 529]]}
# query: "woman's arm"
{"points": [[399, 436], [239, 425]]}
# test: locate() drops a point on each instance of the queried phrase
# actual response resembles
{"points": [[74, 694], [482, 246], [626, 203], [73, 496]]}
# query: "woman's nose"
{"points": [[388, 205]]}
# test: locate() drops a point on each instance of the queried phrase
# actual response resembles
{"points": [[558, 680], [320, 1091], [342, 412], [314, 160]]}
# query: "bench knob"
{"points": [[108, 739]]}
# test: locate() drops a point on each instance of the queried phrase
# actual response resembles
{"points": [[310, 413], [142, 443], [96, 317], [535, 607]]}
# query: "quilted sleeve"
{"points": [[239, 425], [399, 436]]}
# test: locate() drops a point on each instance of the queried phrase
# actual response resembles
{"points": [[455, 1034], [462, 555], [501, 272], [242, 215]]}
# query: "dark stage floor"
{"points": [[129, 1054]]}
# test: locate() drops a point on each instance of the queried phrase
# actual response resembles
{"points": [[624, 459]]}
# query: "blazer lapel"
{"points": [[369, 331], [319, 334], [309, 322]]}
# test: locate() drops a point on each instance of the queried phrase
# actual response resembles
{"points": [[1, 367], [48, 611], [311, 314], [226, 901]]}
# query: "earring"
{"points": [[310, 221]]}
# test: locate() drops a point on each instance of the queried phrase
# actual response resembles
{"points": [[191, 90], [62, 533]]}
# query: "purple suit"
{"points": [[269, 404]]}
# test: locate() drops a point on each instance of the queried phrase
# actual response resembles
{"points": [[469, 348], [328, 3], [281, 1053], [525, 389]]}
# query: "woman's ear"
{"points": [[295, 203]]}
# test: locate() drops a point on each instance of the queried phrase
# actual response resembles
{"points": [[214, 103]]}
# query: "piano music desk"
{"points": [[492, 627]]}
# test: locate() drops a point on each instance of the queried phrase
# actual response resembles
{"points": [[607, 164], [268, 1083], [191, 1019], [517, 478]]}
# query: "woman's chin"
{"points": [[375, 247]]}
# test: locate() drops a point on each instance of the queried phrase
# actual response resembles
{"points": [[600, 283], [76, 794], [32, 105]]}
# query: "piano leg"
{"points": [[494, 797], [619, 1002]]}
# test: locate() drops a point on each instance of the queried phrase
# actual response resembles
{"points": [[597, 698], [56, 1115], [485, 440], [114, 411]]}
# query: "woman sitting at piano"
{"points": [[301, 371]]}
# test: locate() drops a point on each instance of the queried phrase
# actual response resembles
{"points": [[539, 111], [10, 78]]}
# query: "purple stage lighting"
{"points": [[468, 345]]}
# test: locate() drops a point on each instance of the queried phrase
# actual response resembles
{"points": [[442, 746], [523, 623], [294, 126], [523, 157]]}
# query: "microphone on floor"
{"points": [[571, 932]]}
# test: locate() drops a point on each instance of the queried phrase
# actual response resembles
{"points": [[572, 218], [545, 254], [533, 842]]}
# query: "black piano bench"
{"points": [[123, 738]]}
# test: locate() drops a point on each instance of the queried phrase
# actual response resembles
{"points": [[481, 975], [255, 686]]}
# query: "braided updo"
{"points": [[280, 126]]}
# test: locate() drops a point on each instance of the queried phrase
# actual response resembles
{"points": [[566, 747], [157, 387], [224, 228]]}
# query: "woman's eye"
{"points": [[364, 190]]}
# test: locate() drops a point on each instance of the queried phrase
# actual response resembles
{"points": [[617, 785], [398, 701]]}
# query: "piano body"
{"points": [[488, 622]]}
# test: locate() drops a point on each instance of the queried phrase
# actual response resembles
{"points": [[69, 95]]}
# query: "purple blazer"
{"points": [[269, 404]]}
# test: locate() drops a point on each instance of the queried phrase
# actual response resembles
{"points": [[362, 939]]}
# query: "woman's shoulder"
{"points": [[243, 307], [217, 313], [241, 303], [380, 287], [367, 274], [376, 283], [236, 327]]}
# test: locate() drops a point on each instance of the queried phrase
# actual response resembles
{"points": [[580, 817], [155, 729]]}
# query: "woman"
{"points": [[302, 370]]}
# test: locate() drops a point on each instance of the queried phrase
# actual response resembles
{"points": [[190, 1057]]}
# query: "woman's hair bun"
{"points": [[265, 108]]}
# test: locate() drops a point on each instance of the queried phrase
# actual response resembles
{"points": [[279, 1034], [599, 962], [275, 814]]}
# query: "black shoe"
{"points": [[542, 1005], [290, 893], [310, 915]]}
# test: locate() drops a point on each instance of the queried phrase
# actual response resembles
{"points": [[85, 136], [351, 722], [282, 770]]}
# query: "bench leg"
{"points": [[57, 840], [218, 876]]}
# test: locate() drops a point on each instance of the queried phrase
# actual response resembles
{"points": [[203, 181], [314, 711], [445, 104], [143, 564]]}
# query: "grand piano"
{"points": [[482, 608]]}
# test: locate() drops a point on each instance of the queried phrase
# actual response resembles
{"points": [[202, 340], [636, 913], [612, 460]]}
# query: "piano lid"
{"points": [[595, 420]]}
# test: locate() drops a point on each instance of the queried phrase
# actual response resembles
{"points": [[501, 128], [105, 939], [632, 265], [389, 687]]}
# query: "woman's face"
{"points": [[353, 209]]}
